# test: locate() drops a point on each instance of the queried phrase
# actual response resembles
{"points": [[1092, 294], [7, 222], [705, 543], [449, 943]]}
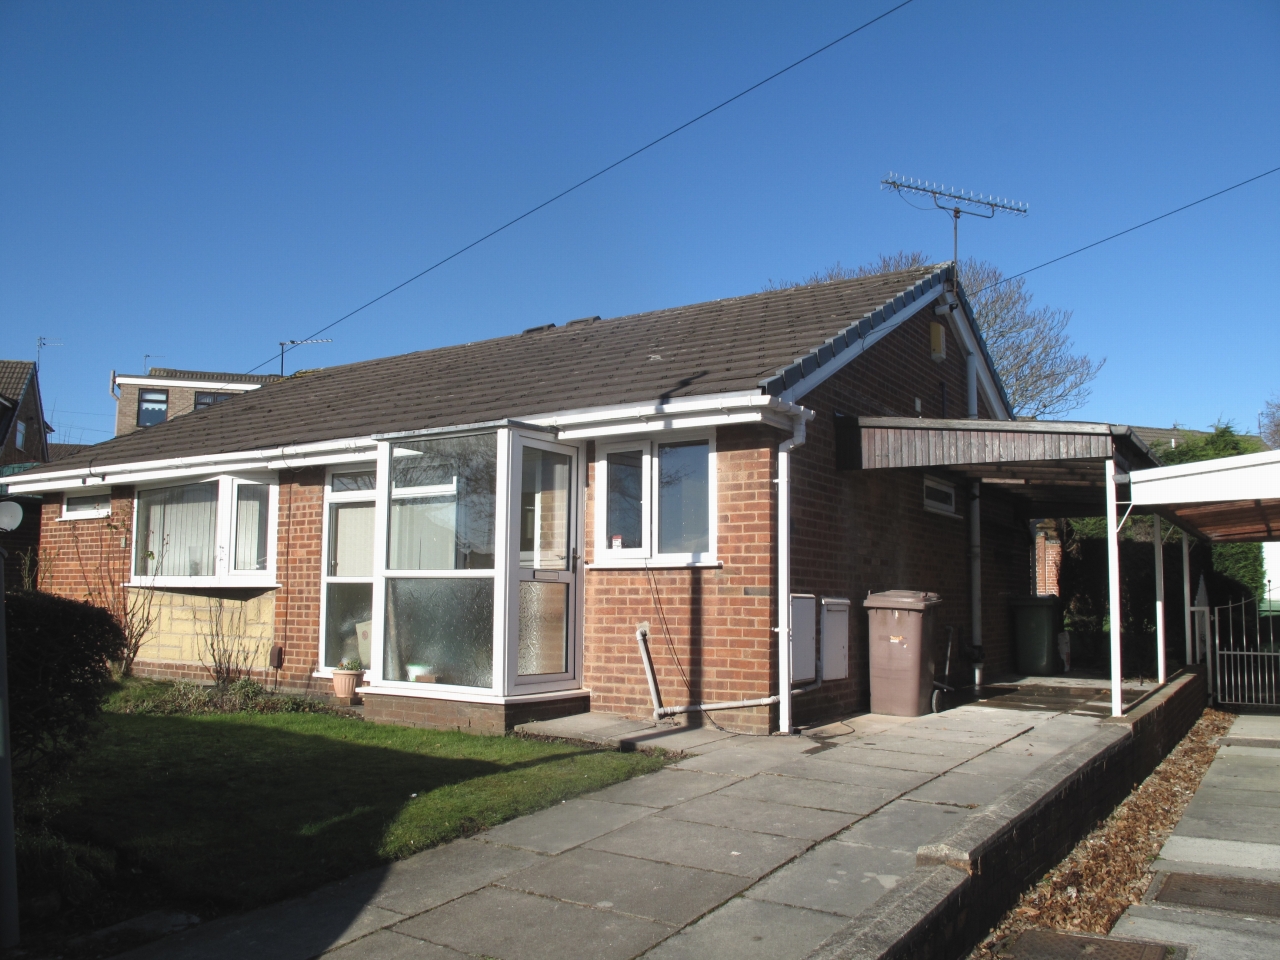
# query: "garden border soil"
{"points": [[964, 884]]}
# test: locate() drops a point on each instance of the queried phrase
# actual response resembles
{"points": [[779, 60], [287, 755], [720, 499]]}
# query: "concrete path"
{"points": [[1217, 883], [749, 847]]}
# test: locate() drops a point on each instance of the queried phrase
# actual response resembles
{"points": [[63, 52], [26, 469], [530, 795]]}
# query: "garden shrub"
{"points": [[60, 654], [243, 696]]}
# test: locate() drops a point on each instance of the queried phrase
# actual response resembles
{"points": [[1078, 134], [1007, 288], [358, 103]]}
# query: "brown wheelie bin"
{"points": [[902, 651]]}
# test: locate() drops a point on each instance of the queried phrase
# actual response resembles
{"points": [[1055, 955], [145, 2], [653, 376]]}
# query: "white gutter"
{"points": [[194, 384], [273, 458]]}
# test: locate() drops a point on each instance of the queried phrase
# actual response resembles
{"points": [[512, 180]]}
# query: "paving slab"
{"points": [[1004, 764], [750, 930], [784, 820], [641, 888], [874, 756], [837, 877], [1212, 795], [1213, 935], [702, 846], [679, 739], [818, 794], [1228, 853], [1225, 826], [963, 789], [565, 826], [510, 925], [905, 825], [882, 778], [735, 761], [1249, 750], [665, 788], [1256, 725], [388, 945], [437, 876], [925, 746], [294, 930]]}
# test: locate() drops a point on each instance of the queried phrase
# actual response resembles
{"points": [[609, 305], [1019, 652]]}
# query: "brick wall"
{"points": [[865, 531], [181, 400], [710, 629], [1048, 558], [299, 560]]}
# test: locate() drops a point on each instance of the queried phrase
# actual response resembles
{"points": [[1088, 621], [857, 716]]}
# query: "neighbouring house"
{"points": [[487, 526], [162, 394], [23, 444]]}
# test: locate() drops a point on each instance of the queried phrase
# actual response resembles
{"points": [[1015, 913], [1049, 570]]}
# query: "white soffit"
{"points": [[1254, 476]]}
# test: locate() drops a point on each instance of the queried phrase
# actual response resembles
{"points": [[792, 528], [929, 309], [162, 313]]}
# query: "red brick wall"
{"points": [[718, 621], [299, 558], [1048, 561], [80, 557], [864, 531]]}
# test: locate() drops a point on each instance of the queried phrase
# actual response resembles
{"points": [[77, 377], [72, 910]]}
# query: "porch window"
{"points": [[655, 502], [348, 575], [439, 622], [218, 531]]}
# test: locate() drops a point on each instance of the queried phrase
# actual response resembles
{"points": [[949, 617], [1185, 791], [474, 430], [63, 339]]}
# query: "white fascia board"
{"points": [[1253, 476], [195, 384], [682, 414], [275, 458]]}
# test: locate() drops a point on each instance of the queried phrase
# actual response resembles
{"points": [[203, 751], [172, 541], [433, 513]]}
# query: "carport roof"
{"points": [[1232, 499], [1055, 468]]}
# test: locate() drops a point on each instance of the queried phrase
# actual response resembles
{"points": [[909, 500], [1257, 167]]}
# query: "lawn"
{"points": [[222, 812]]}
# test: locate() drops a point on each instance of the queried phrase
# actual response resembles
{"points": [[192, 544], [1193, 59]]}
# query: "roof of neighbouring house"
{"points": [[60, 451], [748, 343], [169, 373], [1171, 436], [14, 375]]}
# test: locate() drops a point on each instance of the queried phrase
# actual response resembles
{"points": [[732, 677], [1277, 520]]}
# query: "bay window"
{"points": [[219, 531], [656, 502]]}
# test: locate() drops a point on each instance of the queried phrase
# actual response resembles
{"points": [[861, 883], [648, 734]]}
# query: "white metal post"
{"points": [[1186, 596], [1159, 544], [1113, 583]]}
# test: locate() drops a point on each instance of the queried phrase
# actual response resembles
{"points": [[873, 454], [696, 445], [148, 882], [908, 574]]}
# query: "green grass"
{"points": [[223, 812]]}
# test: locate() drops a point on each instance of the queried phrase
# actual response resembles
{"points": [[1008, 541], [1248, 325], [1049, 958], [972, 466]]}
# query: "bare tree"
{"points": [[225, 650], [1269, 423], [1029, 346], [104, 574]]}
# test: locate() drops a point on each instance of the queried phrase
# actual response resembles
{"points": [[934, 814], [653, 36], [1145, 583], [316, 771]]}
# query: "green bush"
{"points": [[60, 654]]}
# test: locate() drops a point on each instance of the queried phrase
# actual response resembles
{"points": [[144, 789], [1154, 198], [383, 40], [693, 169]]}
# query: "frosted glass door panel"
{"points": [[544, 628]]}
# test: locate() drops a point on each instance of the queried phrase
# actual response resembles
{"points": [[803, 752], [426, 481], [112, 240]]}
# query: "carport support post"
{"points": [[1113, 587], [1186, 595], [1159, 545]]}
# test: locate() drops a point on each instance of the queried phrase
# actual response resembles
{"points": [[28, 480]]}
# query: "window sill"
{"points": [[623, 563], [943, 513], [197, 583], [95, 515], [429, 691]]}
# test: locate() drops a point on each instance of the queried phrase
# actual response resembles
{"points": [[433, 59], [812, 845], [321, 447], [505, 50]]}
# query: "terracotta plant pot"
{"points": [[344, 683]]}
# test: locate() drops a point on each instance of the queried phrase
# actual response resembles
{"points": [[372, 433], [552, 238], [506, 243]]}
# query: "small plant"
{"points": [[351, 663], [225, 650]]}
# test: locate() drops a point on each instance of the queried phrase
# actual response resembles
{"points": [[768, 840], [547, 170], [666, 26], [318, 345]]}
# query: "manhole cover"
{"points": [[1053, 945], [1221, 893]]}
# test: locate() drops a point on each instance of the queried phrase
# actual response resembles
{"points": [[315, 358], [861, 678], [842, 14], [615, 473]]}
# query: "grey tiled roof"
{"points": [[13, 378], [721, 346]]}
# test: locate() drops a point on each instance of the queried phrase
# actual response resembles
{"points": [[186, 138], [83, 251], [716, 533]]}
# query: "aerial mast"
{"points": [[959, 203]]}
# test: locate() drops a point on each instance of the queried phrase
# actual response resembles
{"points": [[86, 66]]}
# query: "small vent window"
{"points": [[939, 496]]}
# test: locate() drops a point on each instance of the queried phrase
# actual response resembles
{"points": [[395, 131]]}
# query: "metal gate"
{"points": [[1246, 657]]}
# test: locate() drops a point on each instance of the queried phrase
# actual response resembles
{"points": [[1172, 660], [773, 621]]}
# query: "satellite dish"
{"points": [[10, 515]]}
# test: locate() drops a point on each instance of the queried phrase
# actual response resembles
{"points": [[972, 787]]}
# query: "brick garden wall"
{"points": [[710, 629]]}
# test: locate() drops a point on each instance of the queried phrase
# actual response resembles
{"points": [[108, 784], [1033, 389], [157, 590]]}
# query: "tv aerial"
{"points": [[959, 203]]}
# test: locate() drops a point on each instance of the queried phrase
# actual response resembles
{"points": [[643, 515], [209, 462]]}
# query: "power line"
{"points": [[600, 173], [1145, 223]]}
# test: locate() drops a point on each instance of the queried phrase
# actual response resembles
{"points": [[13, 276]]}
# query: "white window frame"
{"points": [[603, 551], [98, 514], [383, 574], [20, 435], [224, 534], [648, 555], [514, 684], [931, 506], [337, 497]]}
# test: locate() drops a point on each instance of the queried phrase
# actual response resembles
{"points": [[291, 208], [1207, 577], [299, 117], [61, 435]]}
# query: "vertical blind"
{"points": [[251, 526], [177, 531]]}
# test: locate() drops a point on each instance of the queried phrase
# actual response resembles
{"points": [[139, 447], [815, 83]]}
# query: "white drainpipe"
{"points": [[975, 532], [784, 572]]}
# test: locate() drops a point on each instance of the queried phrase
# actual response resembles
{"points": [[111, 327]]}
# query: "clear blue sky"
{"points": [[202, 180]]}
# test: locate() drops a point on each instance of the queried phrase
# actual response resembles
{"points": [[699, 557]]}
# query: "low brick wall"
{"points": [[965, 883], [490, 718]]}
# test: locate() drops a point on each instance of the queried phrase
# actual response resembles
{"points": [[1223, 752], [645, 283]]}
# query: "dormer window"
{"points": [[153, 407]]}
